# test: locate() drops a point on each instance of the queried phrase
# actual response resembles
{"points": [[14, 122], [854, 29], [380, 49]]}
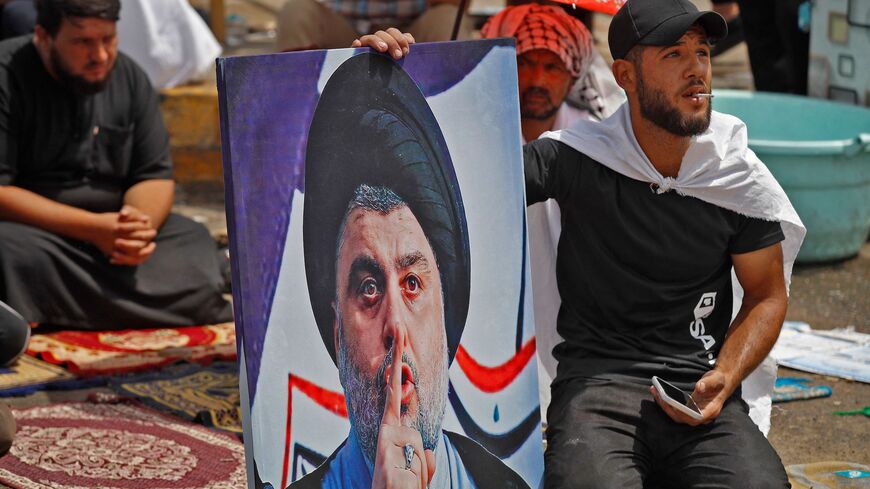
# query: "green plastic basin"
{"points": [[819, 151]]}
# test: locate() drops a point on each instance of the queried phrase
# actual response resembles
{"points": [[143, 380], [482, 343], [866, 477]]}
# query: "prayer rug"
{"points": [[29, 374], [828, 475], [207, 395], [112, 352], [118, 446]]}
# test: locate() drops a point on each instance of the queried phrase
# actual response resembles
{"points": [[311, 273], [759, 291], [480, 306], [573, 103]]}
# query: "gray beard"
{"points": [[366, 398], [655, 108]]}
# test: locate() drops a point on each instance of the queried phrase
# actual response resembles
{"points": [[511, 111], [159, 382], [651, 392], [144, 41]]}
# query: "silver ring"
{"points": [[409, 456]]}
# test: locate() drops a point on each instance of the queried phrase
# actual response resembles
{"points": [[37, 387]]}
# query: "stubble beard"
{"points": [[655, 107], [537, 114], [76, 83], [366, 399]]}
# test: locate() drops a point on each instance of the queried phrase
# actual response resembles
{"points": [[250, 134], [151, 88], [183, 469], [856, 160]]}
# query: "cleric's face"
{"points": [[388, 287]]}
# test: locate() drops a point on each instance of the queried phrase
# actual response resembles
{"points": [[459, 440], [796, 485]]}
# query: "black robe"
{"points": [[86, 151]]}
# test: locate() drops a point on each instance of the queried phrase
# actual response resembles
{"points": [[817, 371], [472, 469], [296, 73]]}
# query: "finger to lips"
{"points": [[393, 408]]}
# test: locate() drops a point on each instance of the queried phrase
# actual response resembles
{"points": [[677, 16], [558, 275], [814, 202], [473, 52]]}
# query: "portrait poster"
{"points": [[377, 207]]}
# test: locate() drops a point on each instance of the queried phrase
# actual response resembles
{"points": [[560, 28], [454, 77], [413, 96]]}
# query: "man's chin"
{"points": [[538, 114], [84, 86]]}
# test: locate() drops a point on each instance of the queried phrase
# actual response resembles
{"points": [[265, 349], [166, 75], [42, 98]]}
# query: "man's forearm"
{"points": [[26, 207], [152, 197], [751, 337]]}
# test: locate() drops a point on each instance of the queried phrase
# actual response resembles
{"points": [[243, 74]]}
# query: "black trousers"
{"points": [[612, 435], [14, 334], [63, 282], [778, 50]]}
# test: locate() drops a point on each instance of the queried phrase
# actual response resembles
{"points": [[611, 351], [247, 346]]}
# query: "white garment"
{"points": [[168, 39], [544, 228], [597, 90], [719, 168]]}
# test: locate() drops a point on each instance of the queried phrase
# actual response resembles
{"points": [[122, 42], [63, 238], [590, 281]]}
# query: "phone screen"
{"points": [[678, 395]]}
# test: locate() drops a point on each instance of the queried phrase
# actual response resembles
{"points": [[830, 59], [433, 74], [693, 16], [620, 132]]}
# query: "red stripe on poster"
{"points": [[494, 379], [327, 399]]}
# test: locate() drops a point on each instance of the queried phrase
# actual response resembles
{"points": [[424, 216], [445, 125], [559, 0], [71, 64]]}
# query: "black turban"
{"points": [[372, 126]]}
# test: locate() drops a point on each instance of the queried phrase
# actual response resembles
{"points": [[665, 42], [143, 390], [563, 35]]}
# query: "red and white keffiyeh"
{"points": [[544, 27]]}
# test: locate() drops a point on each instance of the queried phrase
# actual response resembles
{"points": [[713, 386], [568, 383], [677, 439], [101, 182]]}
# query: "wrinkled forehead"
{"points": [[383, 236]]}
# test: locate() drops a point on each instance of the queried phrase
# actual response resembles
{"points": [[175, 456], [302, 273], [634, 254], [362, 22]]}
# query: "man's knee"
{"points": [[7, 429], [21, 247], [587, 457], [14, 334]]}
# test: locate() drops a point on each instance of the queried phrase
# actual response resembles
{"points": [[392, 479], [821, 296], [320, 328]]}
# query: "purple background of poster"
{"points": [[266, 105]]}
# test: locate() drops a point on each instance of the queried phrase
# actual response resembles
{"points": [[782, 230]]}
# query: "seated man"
{"points": [[661, 203], [554, 51], [86, 237], [328, 24]]}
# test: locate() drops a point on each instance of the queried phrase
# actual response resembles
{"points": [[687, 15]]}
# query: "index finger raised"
{"points": [[393, 408]]}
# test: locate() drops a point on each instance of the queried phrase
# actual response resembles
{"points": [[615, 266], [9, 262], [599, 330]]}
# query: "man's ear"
{"points": [[625, 73], [40, 35]]}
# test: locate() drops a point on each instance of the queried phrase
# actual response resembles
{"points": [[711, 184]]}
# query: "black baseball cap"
{"points": [[659, 23]]}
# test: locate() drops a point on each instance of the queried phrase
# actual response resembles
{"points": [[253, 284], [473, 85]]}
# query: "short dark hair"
{"points": [[50, 13], [635, 56], [368, 198]]}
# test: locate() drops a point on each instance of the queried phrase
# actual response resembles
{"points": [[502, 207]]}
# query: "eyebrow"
{"points": [[410, 259], [363, 265]]}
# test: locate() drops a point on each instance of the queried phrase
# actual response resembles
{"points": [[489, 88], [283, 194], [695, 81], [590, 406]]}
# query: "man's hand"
{"points": [[710, 394], [390, 471], [135, 241], [126, 237], [393, 40]]}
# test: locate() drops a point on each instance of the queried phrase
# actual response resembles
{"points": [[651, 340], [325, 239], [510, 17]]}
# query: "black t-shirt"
{"points": [[84, 151], [645, 278]]}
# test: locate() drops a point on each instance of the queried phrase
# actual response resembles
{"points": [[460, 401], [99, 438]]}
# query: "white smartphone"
{"points": [[679, 400]]}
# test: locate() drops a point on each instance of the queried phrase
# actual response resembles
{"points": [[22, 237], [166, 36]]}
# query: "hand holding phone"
{"points": [[676, 398]]}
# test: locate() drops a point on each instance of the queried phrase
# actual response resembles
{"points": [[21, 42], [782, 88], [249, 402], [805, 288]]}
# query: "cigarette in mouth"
{"points": [[708, 95]]}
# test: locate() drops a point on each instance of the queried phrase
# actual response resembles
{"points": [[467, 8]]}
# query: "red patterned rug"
{"points": [[118, 446], [112, 352]]}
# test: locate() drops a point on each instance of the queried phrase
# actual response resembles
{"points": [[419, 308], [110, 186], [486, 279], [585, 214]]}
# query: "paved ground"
{"points": [[827, 296]]}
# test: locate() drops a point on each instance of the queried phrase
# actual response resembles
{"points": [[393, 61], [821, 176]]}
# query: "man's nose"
{"points": [[100, 53], [698, 66], [538, 73], [395, 318]]}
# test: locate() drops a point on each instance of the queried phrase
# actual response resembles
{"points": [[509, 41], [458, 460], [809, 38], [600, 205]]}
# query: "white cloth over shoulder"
{"points": [[719, 168], [168, 39], [544, 227]]}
